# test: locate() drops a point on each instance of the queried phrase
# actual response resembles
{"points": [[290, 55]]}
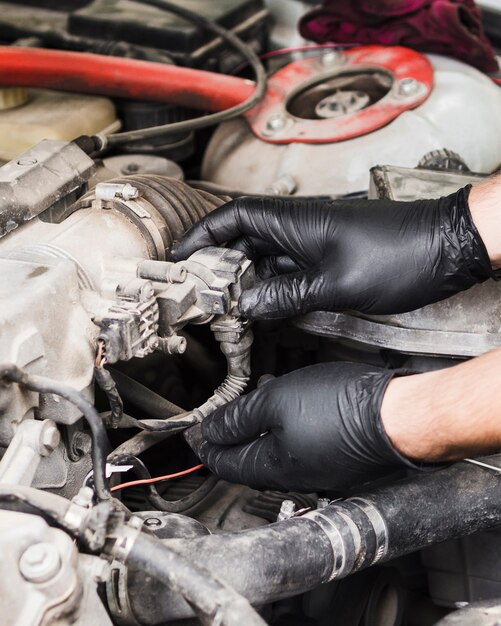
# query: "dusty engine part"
{"points": [[313, 104], [464, 325], [99, 276], [332, 542], [42, 564]]}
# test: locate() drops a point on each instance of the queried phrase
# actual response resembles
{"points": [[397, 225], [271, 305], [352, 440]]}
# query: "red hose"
{"points": [[123, 78]]}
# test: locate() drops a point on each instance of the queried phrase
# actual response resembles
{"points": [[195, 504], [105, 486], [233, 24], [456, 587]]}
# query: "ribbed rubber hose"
{"points": [[297, 555]]}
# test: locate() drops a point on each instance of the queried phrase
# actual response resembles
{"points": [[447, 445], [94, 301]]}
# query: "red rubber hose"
{"points": [[120, 77]]}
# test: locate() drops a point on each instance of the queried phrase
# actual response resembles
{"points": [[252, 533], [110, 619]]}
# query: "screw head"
{"points": [[408, 87], [176, 344], [276, 123], [40, 562], [128, 192], [287, 510], [330, 58]]}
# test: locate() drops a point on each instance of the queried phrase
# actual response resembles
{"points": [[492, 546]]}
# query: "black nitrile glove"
{"points": [[318, 428], [372, 256]]}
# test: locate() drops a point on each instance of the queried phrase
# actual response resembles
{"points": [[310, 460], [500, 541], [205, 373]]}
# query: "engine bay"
{"points": [[123, 124]]}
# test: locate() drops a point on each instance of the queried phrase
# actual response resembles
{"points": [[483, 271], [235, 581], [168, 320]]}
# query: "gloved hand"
{"points": [[318, 428], [372, 256]]}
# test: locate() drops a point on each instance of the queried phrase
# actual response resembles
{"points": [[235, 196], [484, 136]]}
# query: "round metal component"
{"points": [[176, 344], [408, 87], [153, 522], [279, 119], [40, 562], [330, 58], [443, 160], [127, 164], [276, 123], [342, 103], [177, 273], [287, 510]]}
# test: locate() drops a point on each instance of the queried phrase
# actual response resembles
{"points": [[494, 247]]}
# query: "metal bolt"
{"points": [[153, 522], [276, 123], [128, 192], [331, 57], [81, 444], [176, 344], [109, 191], [49, 438], [408, 87], [322, 503], [40, 562], [287, 510]]}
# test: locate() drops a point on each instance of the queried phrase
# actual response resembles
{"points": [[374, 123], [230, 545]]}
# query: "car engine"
{"points": [[122, 124]]}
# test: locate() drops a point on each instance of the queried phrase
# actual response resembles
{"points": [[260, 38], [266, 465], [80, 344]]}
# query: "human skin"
{"points": [[448, 414]]}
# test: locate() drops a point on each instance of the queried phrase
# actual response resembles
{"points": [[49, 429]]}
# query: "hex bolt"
{"points": [[81, 444], [322, 503], [40, 562], [276, 123], [109, 191], [49, 438], [287, 510], [408, 87], [330, 58], [176, 344]]}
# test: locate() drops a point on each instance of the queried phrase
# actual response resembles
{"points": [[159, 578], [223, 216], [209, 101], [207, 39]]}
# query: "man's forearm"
{"points": [[485, 208], [447, 414]]}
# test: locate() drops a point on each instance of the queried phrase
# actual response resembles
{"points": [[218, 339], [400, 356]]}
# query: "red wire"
{"points": [[147, 481]]}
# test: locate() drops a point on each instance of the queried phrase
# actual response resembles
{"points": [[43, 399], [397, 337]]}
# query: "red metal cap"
{"points": [[409, 75]]}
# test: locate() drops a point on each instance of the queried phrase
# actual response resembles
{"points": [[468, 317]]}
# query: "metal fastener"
{"points": [[176, 344], [408, 87], [287, 510], [331, 57], [110, 191], [40, 562], [276, 123]]}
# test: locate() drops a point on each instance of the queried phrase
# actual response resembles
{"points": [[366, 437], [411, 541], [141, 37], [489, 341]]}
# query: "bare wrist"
{"points": [[485, 208]]}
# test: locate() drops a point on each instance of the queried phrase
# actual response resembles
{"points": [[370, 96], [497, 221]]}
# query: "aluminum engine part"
{"points": [[63, 284], [42, 564], [464, 325], [461, 114]]}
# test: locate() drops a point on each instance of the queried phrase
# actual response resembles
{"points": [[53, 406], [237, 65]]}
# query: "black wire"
{"points": [[169, 506], [213, 118], [139, 396], [100, 444]]}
